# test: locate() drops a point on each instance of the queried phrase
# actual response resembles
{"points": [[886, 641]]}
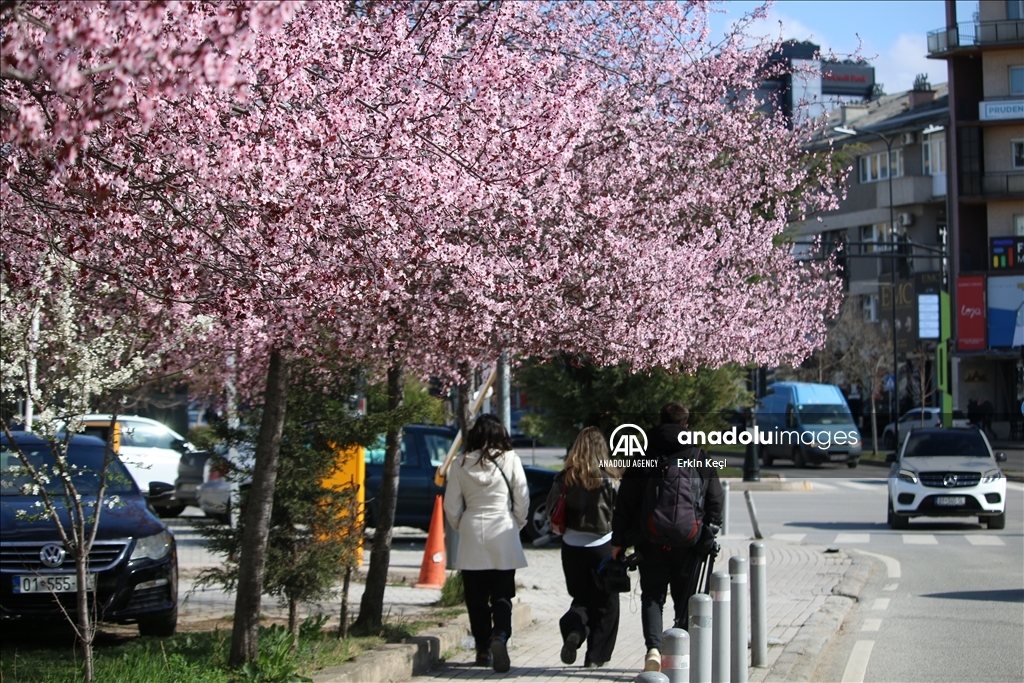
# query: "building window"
{"points": [[934, 151], [1018, 153], [873, 167], [1017, 80], [869, 306], [875, 238], [1015, 9], [1018, 225]]}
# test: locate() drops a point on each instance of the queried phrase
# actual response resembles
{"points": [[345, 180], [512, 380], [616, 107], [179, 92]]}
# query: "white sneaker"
{"points": [[652, 662]]}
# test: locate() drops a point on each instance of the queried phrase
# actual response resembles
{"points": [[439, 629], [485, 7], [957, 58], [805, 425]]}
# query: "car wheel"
{"points": [[897, 521], [996, 521], [170, 511], [798, 458], [536, 520], [161, 627], [767, 460], [852, 464], [888, 440]]}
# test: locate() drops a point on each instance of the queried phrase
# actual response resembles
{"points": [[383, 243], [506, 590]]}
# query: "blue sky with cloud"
{"points": [[892, 34]]}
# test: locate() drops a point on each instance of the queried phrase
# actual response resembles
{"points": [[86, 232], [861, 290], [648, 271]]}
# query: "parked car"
{"points": [[423, 449], [946, 473], [151, 452], [133, 563], [226, 473], [912, 418], [191, 468]]}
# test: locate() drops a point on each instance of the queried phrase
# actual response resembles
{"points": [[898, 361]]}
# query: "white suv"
{"points": [[946, 473], [151, 452]]}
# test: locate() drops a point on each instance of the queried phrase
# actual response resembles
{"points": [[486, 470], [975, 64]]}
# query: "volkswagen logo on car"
{"points": [[52, 555]]}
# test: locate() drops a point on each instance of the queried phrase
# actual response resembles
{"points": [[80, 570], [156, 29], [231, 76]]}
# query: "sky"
{"points": [[892, 34]]}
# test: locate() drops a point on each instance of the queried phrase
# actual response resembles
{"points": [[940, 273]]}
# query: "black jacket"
{"points": [[664, 443], [585, 510]]}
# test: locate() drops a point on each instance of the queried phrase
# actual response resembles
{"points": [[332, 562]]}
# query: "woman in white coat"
{"points": [[487, 501]]}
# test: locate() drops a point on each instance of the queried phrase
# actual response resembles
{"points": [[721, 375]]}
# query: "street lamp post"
{"points": [[892, 230]]}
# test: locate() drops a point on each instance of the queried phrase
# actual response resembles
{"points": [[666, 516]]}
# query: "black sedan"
{"points": [[133, 564]]}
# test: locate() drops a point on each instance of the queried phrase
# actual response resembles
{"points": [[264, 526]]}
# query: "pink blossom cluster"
{"points": [[418, 183]]}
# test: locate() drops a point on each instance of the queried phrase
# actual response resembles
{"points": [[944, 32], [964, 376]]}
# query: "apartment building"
{"points": [[985, 58]]}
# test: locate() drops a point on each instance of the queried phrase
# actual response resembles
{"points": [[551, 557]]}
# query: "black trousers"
{"points": [[594, 613], [489, 594], [663, 569]]}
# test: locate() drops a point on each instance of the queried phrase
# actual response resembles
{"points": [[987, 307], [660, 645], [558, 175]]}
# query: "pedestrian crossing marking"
{"points": [[871, 625], [858, 486], [920, 539], [978, 539], [880, 604], [853, 538], [789, 538], [891, 587]]}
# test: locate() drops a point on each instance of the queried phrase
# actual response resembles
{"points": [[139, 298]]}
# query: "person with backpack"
{"points": [[588, 491], [666, 512], [487, 501]]}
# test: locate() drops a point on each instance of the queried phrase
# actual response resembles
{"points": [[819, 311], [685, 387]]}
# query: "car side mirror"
{"points": [[1000, 457], [892, 457], [160, 488]]}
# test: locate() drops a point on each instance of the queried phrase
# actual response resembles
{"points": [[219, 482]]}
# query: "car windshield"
{"points": [[950, 443], [85, 461], [825, 415]]}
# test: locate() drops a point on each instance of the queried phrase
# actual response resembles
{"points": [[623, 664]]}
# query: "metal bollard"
{"points": [[700, 638], [725, 507], [675, 655], [720, 628], [758, 607], [753, 514], [738, 661], [651, 677]]}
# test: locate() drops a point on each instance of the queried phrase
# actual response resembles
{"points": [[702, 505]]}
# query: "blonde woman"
{"points": [[590, 490]]}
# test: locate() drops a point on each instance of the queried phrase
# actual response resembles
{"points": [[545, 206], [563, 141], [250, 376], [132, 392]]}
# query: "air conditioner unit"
{"points": [[908, 138], [905, 219]]}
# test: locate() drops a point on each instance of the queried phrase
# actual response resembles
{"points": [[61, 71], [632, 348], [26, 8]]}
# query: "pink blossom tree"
{"points": [[418, 185]]}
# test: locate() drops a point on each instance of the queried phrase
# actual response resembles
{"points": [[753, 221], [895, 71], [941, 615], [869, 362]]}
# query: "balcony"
{"points": [[914, 189], [969, 37], [993, 185]]}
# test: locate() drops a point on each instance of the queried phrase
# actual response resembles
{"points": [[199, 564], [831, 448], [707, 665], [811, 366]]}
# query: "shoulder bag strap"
{"points": [[502, 473]]}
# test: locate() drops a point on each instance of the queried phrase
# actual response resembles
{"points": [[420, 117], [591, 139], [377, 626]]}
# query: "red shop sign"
{"points": [[970, 313]]}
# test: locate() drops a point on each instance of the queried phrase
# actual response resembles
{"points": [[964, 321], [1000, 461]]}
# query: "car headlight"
{"points": [[990, 476], [152, 547], [907, 476]]}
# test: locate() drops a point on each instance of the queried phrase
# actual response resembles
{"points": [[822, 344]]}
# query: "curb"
{"points": [[776, 485], [800, 657], [401, 661]]}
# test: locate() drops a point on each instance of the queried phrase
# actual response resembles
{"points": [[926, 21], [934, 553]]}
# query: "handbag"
{"points": [[558, 514]]}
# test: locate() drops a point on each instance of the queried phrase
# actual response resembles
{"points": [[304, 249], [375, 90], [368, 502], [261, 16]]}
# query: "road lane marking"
{"points": [[790, 538], [891, 587], [920, 539], [978, 539], [857, 486], [880, 604], [871, 625], [853, 538], [892, 565], [857, 664], [1015, 485]]}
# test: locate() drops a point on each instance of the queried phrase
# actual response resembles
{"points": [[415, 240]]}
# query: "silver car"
{"points": [[920, 417]]}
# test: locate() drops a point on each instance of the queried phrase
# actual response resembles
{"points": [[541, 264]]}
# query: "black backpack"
{"points": [[673, 506]]}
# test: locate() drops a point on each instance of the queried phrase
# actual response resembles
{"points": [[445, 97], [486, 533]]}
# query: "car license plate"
{"points": [[51, 583], [950, 501]]}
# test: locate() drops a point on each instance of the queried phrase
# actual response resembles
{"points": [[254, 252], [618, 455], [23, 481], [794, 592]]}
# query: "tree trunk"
{"points": [[293, 621], [343, 622], [86, 627], [465, 400], [245, 631], [874, 423], [371, 607]]}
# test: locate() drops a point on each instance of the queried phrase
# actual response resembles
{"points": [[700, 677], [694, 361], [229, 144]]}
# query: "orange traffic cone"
{"points": [[432, 569]]}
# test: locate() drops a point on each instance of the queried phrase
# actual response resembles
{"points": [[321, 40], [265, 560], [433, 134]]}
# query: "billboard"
{"points": [[1006, 311], [970, 313], [847, 79]]}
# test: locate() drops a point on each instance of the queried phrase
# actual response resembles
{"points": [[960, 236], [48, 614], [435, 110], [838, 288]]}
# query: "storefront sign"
{"points": [[1006, 311], [1006, 252], [1001, 110], [970, 313]]}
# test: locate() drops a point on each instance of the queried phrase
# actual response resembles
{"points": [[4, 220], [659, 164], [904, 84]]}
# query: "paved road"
{"points": [[947, 605]]}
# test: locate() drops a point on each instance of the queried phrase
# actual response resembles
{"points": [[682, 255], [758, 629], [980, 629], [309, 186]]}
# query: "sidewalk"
{"points": [[803, 612]]}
